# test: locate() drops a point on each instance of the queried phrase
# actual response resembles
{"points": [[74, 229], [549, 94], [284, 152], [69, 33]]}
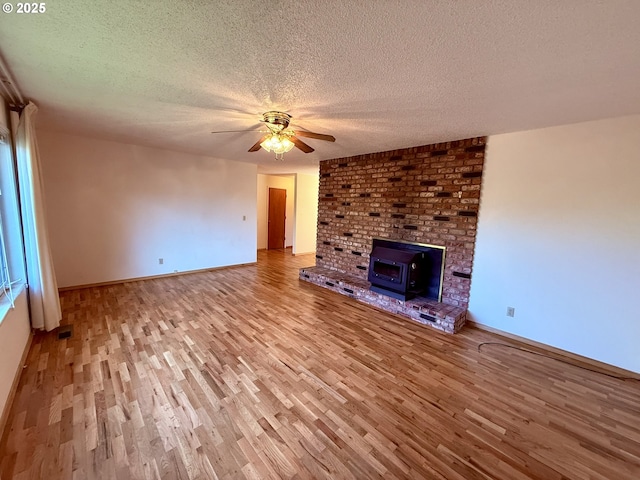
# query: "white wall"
{"points": [[559, 238], [265, 182], [306, 214], [115, 209]]}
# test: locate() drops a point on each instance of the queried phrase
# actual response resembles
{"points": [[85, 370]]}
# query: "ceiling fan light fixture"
{"points": [[278, 144], [286, 144], [280, 140]]}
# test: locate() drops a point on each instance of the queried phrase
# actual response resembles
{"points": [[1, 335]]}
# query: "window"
{"points": [[12, 273], [5, 279]]}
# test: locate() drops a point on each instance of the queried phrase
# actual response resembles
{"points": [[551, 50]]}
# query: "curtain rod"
{"points": [[10, 87]]}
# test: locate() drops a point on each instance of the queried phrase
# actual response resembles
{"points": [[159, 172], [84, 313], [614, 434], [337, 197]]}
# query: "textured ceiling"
{"points": [[376, 74]]}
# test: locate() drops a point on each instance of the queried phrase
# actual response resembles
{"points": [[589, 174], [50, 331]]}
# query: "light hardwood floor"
{"points": [[249, 373]]}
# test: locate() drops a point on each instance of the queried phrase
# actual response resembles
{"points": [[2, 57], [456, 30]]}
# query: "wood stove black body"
{"points": [[405, 270]]}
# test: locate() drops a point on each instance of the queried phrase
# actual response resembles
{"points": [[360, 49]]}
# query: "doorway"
{"points": [[277, 218]]}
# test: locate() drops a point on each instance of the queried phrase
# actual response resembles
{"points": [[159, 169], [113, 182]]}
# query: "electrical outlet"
{"points": [[161, 261], [511, 312]]}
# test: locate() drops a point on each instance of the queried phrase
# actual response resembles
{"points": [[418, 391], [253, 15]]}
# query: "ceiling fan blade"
{"points": [[317, 136], [256, 146], [234, 131], [300, 144]]}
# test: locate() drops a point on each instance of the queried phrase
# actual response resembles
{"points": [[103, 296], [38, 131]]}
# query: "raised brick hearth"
{"points": [[435, 314], [428, 194]]}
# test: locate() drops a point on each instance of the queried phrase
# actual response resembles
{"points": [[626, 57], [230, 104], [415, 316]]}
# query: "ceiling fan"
{"points": [[279, 138]]}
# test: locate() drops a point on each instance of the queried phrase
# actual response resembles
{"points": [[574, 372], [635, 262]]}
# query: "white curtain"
{"points": [[44, 302]]}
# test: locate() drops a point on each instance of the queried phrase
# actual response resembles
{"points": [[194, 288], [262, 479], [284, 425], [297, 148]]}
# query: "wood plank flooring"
{"points": [[250, 373]]}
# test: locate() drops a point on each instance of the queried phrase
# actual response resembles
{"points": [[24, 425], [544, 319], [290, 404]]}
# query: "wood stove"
{"points": [[406, 270], [396, 272]]}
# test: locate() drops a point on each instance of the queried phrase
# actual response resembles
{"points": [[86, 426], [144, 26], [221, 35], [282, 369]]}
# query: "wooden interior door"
{"points": [[277, 217]]}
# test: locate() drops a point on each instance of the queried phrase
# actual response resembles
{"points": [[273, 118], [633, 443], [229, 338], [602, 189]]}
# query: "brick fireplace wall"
{"points": [[428, 194]]}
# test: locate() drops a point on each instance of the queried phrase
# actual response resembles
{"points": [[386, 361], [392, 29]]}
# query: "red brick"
{"points": [[369, 174]]}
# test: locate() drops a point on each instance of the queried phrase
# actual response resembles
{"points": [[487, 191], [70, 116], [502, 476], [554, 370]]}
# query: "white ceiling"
{"points": [[377, 74]]}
